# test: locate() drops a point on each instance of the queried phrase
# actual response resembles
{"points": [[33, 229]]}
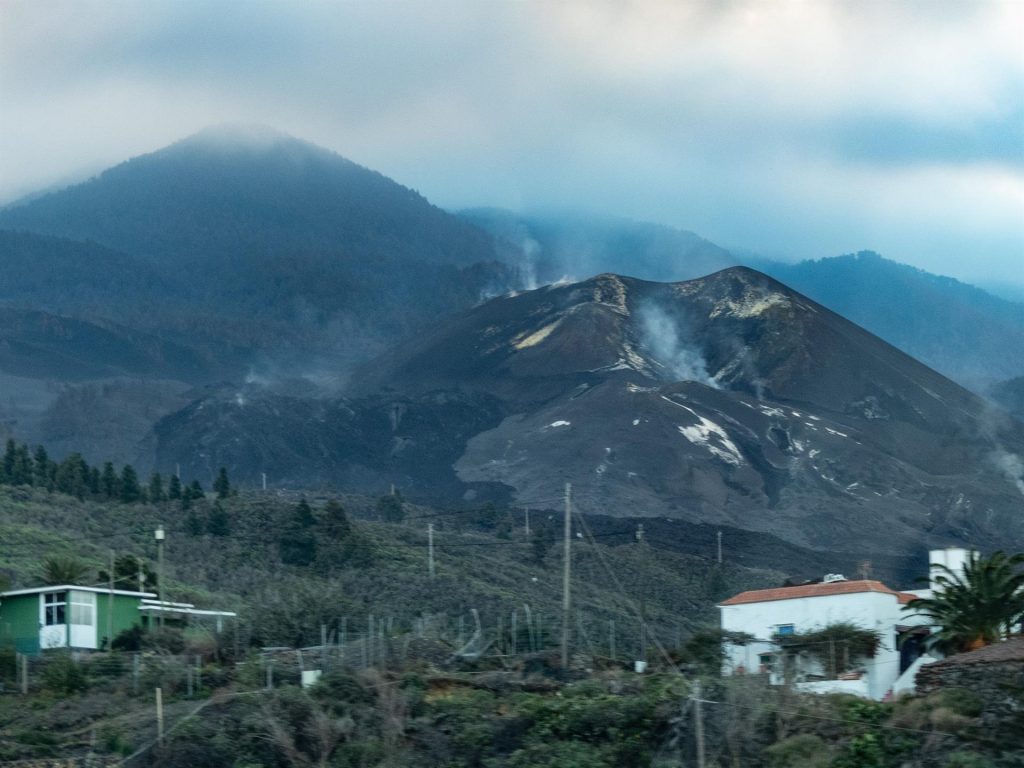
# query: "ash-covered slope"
{"points": [[729, 399]]}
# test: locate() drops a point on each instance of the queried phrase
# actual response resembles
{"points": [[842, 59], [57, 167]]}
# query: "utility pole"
{"points": [[160, 716], [719, 547], [430, 548], [698, 722], [110, 606], [566, 568], [264, 476], [160, 592], [527, 522]]}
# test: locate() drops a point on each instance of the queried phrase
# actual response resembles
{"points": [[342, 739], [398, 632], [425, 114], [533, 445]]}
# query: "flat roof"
{"points": [[76, 588], [149, 608]]}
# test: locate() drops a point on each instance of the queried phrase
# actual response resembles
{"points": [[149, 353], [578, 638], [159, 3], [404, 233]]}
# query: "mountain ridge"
{"points": [[763, 411]]}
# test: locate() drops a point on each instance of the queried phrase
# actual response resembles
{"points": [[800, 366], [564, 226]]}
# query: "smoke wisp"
{"points": [[1011, 465], [663, 337]]}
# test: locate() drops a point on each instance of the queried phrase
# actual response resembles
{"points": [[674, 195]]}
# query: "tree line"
{"points": [[75, 477]]}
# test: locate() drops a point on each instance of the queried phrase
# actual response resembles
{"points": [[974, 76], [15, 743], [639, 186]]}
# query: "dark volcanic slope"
{"points": [[729, 399], [38, 345], [249, 243], [248, 190]]}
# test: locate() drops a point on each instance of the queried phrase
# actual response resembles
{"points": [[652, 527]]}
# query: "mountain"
{"points": [[39, 345], [576, 246], [1010, 395], [249, 191], [960, 330], [957, 329], [264, 243], [729, 400]]}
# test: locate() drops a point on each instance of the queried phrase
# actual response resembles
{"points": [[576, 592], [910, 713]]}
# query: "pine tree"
{"points": [[126, 573], [156, 488], [9, 457], [110, 485], [43, 469], [390, 508], [297, 545], [221, 486], [22, 474], [72, 476], [193, 525], [218, 524], [336, 524], [195, 490], [174, 488], [130, 490]]}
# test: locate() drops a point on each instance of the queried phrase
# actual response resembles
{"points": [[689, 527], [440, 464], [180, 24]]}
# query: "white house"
{"points": [[868, 604]]}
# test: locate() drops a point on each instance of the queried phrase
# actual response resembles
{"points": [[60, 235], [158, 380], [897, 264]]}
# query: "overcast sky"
{"points": [[797, 129]]}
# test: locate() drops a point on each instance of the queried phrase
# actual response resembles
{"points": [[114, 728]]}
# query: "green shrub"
{"points": [[805, 750], [62, 674], [968, 760]]}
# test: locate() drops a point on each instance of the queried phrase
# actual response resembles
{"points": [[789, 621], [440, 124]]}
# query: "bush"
{"points": [[63, 674], [167, 639], [804, 750], [967, 760]]}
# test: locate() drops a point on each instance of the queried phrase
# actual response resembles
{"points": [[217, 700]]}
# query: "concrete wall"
{"points": [[876, 611]]}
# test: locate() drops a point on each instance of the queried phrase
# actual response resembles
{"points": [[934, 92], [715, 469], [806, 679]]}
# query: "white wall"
{"points": [[876, 611]]}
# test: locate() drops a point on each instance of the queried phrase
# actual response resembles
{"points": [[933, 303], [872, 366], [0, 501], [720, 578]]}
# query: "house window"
{"points": [[785, 629], [55, 604], [83, 607]]}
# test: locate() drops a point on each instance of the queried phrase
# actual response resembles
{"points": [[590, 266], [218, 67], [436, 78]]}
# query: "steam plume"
{"points": [[661, 335]]}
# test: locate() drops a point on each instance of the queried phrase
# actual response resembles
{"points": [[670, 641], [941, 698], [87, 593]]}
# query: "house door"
{"points": [[53, 627], [83, 619]]}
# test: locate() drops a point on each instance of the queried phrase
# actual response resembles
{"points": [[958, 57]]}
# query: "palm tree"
{"points": [[63, 569], [978, 606]]}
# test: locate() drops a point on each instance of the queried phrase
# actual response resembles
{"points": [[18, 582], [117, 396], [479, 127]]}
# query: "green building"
{"points": [[70, 616]]}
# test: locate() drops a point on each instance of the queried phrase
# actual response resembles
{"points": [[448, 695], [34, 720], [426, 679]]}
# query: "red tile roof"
{"points": [[815, 590]]}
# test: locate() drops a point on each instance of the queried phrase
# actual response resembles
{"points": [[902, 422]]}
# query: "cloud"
{"points": [[795, 127]]}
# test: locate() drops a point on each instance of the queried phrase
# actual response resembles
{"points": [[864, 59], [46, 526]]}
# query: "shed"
{"points": [[66, 616], [86, 618]]}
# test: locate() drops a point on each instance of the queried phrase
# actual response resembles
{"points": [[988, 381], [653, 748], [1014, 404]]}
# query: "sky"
{"points": [[792, 129]]}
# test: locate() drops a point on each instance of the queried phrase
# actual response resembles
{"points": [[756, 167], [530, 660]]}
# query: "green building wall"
{"points": [[19, 619], [19, 623], [125, 615]]}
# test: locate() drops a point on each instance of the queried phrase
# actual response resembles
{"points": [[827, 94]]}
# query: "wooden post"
{"points": [[611, 638], [24, 673], [515, 630], [161, 593], [160, 716], [430, 548], [566, 569], [698, 717], [110, 606]]}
